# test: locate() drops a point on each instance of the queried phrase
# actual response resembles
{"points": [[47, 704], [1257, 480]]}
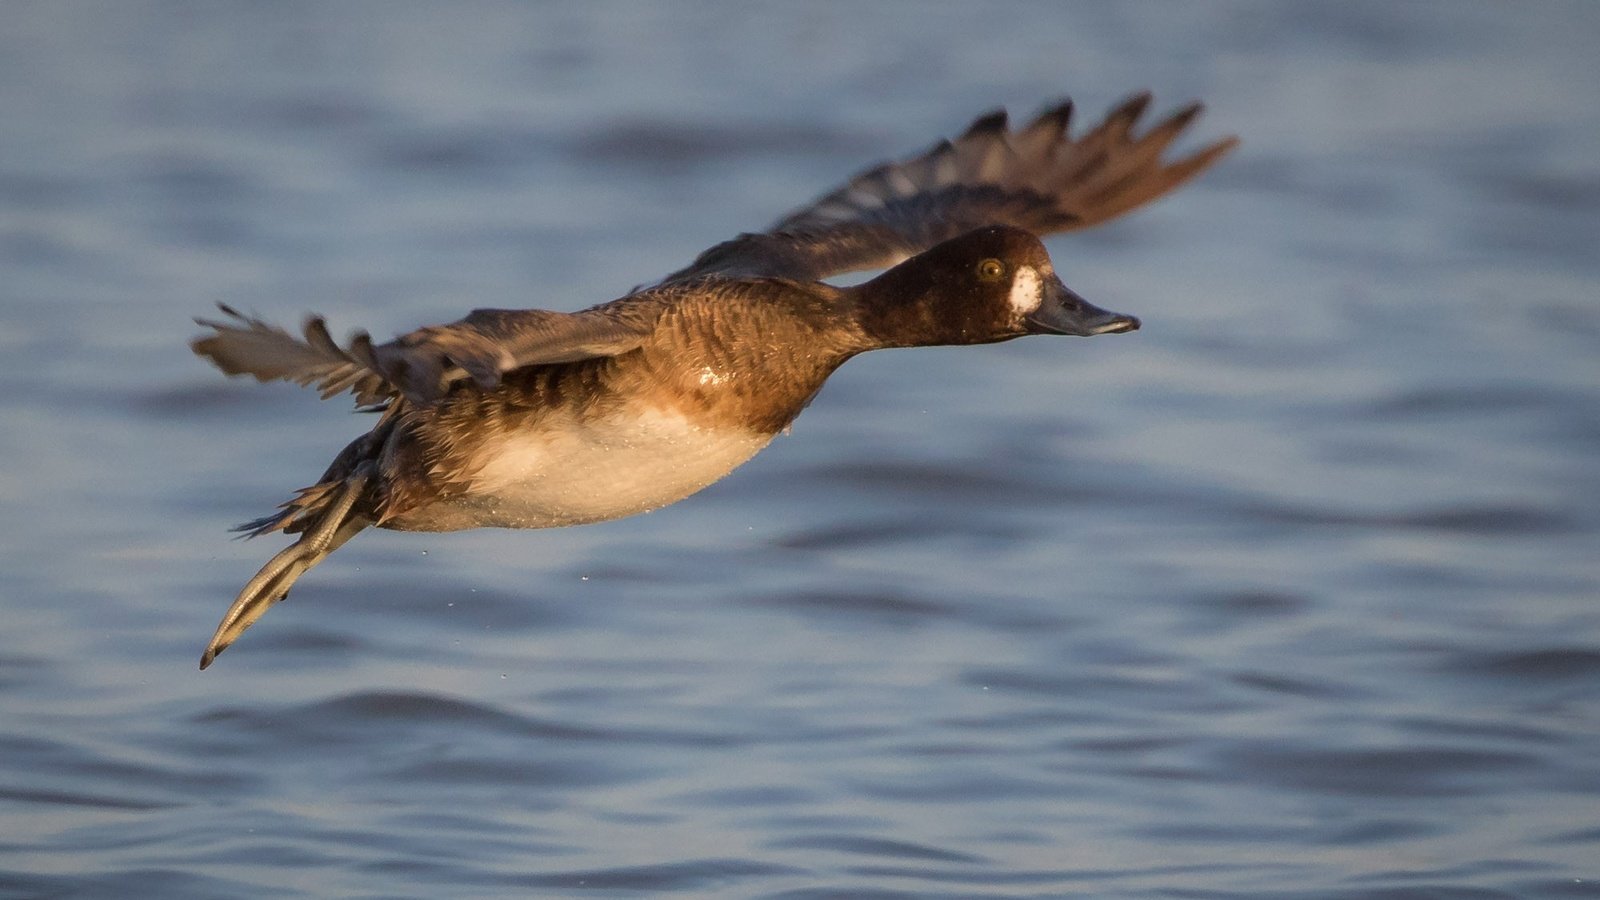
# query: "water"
{"points": [[1291, 594]]}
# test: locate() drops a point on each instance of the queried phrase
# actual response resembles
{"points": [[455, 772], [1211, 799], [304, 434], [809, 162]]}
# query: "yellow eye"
{"points": [[991, 269]]}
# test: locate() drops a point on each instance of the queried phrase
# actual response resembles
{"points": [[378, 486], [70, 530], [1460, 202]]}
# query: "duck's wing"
{"points": [[1036, 177], [490, 342], [423, 364]]}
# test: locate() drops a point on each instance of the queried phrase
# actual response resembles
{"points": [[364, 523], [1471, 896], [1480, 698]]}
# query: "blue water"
{"points": [[1294, 593]]}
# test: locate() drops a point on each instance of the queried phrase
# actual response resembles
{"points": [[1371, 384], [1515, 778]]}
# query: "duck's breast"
{"points": [[572, 471]]}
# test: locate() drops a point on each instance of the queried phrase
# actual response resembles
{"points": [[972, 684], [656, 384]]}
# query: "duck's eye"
{"points": [[991, 270]]}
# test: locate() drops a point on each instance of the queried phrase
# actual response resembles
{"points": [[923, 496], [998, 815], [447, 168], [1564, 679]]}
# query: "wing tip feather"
{"points": [[990, 123]]}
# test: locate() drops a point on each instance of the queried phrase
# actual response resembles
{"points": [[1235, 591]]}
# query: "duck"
{"points": [[533, 418]]}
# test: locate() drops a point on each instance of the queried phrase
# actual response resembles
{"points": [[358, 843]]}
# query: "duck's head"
{"points": [[989, 285]]}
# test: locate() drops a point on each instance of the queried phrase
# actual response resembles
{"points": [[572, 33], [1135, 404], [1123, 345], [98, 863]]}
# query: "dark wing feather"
{"points": [[423, 364], [1036, 177], [241, 345]]}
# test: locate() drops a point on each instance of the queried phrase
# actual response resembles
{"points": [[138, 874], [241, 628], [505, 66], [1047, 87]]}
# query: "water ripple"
{"points": [[689, 875]]}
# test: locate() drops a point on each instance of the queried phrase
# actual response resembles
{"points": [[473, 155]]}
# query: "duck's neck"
{"points": [[906, 306]]}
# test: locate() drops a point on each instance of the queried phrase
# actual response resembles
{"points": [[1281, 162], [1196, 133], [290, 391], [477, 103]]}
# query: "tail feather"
{"points": [[293, 515], [341, 518]]}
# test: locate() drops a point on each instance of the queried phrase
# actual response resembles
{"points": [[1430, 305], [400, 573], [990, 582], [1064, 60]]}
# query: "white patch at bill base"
{"points": [[1027, 290]]}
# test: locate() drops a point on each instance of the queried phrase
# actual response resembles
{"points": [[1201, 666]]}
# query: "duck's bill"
{"points": [[1064, 312]]}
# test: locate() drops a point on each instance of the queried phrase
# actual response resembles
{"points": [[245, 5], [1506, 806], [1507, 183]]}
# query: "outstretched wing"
{"points": [[421, 365], [1037, 177]]}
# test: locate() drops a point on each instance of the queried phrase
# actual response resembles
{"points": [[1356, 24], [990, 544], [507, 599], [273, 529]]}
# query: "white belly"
{"points": [[591, 472]]}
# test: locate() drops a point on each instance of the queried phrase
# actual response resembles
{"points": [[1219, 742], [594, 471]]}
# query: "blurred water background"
{"points": [[1291, 594]]}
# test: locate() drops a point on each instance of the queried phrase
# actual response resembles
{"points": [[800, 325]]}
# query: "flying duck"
{"points": [[528, 418]]}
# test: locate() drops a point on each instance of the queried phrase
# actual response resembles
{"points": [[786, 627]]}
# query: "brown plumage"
{"points": [[534, 418]]}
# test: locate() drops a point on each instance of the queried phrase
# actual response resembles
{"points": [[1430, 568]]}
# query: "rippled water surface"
{"points": [[1294, 593]]}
